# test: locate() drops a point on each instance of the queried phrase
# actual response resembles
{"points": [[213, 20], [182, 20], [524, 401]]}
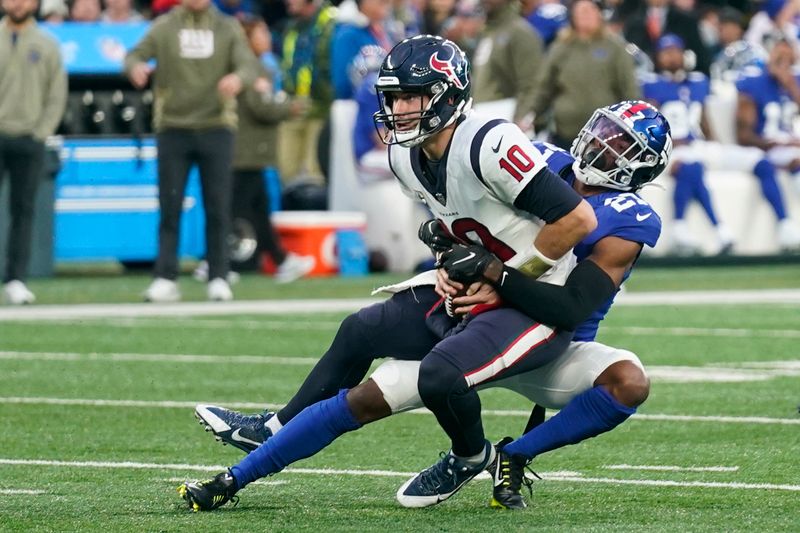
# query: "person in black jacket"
{"points": [[659, 17]]}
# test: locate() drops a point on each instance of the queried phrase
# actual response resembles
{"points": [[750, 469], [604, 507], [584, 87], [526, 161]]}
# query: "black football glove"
{"points": [[435, 236], [467, 263]]}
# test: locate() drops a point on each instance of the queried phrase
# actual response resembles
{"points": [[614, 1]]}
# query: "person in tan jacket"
{"points": [[507, 59], [261, 110], [587, 67], [202, 64], [33, 93]]}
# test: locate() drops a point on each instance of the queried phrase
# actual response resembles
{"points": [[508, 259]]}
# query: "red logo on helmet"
{"points": [[446, 68], [635, 110]]}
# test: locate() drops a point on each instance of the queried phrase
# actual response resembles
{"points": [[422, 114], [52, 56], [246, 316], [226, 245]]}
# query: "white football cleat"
{"points": [[16, 293], [788, 236], [162, 290], [684, 243], [725, 240], [219, 290], [294, 267], [200, 273]]}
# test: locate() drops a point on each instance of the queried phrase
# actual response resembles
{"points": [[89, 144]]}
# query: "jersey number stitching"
{"points": [[517, 162], [463, 226]]}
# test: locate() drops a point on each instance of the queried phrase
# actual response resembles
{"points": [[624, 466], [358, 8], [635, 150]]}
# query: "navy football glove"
{"points": [[435, 235], [466, 264]]}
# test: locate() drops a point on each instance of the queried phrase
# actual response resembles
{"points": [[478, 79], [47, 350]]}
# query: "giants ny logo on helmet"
{"points": [[633, 112]]}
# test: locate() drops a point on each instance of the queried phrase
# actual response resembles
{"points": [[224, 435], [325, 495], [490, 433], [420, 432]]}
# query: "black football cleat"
{"points": [[508, 477], [246, 432], [211, 494]]}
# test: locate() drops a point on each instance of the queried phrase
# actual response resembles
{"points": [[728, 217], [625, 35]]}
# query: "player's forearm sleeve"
{"points": [[585, 290], [548, 197]]}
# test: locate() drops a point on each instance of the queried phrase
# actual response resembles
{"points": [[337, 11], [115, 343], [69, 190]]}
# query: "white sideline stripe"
{"points": [[720, 419], [259, 482], [779, 365], [389, 473], [157, 358], [282, 307], [704, 332], [660, 373], [254, 307], [721, 297], [182, 323], [706, 374], [669, 468], [255, 405], [27, 492], [325, 325], [691, 484], [130, 403]]}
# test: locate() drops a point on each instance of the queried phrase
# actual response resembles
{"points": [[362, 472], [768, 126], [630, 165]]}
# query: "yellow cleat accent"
{"points": [[494, 504]]}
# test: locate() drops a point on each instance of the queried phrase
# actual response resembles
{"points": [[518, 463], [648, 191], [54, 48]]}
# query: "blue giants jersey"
{"points": [[681, 102], [619, 214], [364, 130], [775, 108]]}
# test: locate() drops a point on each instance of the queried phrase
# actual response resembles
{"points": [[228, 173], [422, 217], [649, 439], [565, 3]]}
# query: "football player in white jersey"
{"points": [[596, 387], [487, 183]]}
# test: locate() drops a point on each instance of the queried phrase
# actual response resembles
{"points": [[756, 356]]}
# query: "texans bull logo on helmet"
{"points": [[445, 66]]}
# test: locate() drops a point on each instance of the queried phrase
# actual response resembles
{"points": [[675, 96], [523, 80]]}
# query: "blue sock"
{"points": [[310, 431], [765, 172], [587, 415], [701, 193], [683, 190]]}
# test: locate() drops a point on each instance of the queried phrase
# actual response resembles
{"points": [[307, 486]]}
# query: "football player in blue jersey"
{"points": [[620, 149], [681, 96], [766, 114], [487, 184]]}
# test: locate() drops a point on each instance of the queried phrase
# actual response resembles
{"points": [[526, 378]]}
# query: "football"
{"points": [[448, 302]]}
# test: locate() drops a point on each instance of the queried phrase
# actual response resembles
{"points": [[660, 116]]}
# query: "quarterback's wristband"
{"points": [[532, 262]]}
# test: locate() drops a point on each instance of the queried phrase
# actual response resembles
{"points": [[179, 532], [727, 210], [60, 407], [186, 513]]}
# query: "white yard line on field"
{"points": [[241, 307], [388, 473], [291, 323], [671, 468], [194, 323], [341, 305], [658, 373], [150, 404], [157, 358], [259, 482], [24, 492], [703, 332]]}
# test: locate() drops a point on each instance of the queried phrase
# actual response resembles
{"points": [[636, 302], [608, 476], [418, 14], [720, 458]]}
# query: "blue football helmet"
{"points": [[622, 146], [425, 65], [736, 58]]}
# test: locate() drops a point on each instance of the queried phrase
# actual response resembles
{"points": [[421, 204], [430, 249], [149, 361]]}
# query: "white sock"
{"points": [[273, 424], [475, 459]]}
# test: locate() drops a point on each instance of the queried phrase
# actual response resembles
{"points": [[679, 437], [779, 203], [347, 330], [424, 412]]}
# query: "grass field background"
{"points": [[98, 427]]}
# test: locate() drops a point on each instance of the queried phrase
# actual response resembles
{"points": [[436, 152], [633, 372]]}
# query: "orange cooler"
{"points": [[314, 233]]}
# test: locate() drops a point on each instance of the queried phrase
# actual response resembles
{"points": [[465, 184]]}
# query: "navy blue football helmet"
{"points": [[425, 65], [623, 146]]}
